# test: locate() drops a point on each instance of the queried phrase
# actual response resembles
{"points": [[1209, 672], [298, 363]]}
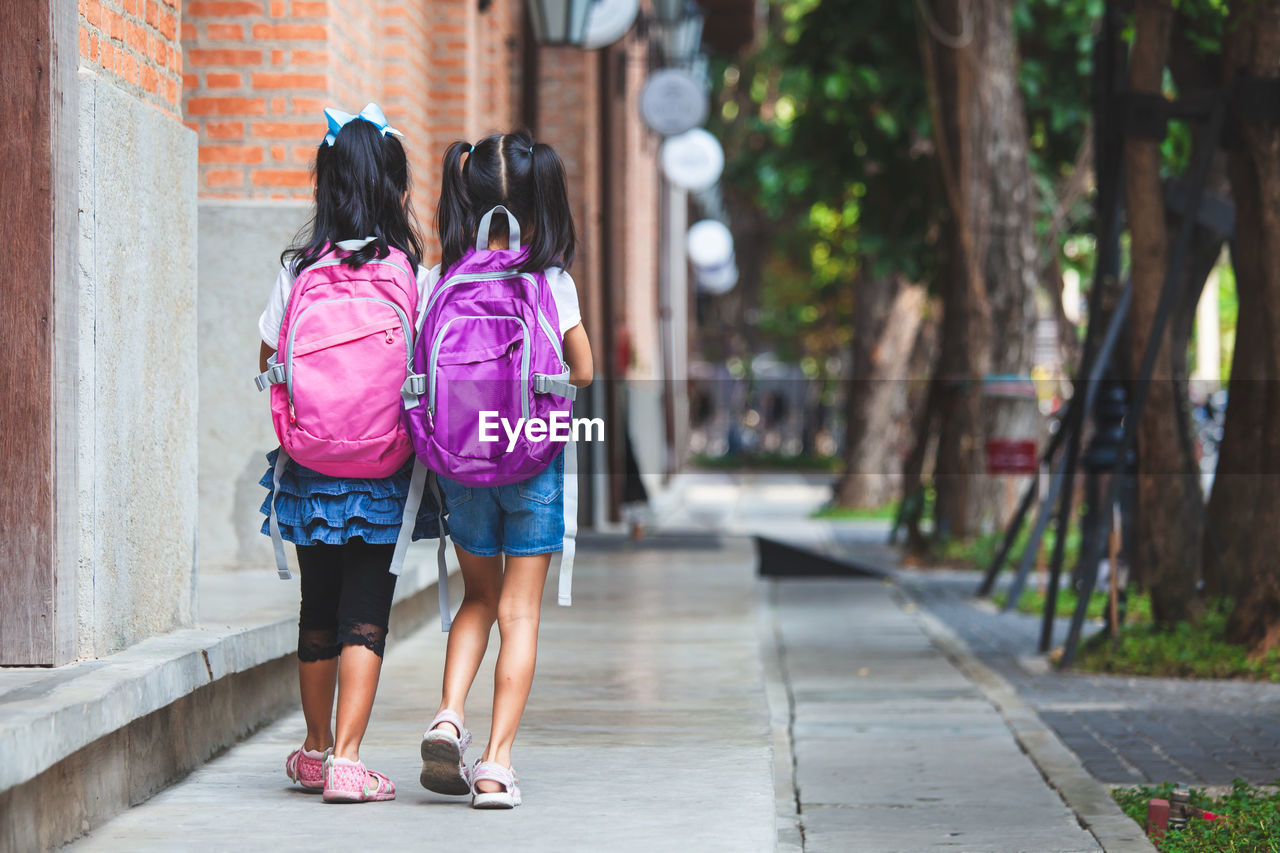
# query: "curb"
{"points": [[1088, 798]]}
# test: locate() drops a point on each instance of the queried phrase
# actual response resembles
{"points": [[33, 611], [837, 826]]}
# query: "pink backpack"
{"points": [[345, 349]]}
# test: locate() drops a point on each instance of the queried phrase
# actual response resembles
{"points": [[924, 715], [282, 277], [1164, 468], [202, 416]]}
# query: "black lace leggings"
{"points": [[346, 598]]}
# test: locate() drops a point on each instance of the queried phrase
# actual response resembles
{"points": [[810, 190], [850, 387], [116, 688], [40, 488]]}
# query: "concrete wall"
{"points": [[240, 245], [138, 369]]}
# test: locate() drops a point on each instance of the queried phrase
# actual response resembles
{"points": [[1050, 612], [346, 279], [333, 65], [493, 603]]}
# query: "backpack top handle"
{"points": [[513, 230]]}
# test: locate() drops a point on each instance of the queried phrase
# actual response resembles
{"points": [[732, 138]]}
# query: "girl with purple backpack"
{"points": [[336, 337], [503, 302]]}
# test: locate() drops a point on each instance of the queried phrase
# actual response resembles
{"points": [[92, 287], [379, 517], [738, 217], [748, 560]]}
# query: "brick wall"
{"points": [[258, 75], [497, 96], [634, 219], [568, 120], [406, 29], [260, 72], [135, 42]]}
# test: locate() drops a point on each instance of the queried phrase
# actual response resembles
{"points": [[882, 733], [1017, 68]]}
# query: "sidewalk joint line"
{"points": [[780, 653]]}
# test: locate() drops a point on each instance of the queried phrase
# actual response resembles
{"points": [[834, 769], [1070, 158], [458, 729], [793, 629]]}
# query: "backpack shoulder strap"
{"points": [[564, 593], [442, 570], [273, 521], [417, 484]]}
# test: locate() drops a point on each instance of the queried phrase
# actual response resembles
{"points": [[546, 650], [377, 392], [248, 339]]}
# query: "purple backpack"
{"points": [[489, 351]]}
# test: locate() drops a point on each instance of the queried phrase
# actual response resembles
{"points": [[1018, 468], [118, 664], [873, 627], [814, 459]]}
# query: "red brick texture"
{"points": [[568, 120], [260, 72], [632, 227], [136, 43]]}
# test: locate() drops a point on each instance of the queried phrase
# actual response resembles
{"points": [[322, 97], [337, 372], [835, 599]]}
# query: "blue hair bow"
{"points": [[372, 113]]}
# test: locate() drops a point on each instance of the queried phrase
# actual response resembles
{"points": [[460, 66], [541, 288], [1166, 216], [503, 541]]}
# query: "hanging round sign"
{"points": [[673, 101], [719, 279], [609, 21], [710, 244], [693, 160]]}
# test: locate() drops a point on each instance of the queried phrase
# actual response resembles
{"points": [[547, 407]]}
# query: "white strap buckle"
{"points": [[413, 389], [558, 384], [274, 375]]}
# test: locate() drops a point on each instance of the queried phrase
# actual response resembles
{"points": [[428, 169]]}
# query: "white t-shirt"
{"points": [[563, 291]]}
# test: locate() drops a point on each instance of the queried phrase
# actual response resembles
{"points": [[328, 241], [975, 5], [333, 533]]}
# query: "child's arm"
{"points": [[269, 322], [577, 352]]}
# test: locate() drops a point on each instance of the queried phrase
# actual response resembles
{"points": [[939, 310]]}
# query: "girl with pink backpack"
{"points": [[500, 336], [337, 338]]}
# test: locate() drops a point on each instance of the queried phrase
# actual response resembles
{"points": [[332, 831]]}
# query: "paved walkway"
{"points": [[647, 730], [1125, 730], [658, 698], [894, 748]]}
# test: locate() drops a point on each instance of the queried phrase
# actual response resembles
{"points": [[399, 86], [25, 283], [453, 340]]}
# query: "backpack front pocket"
{"points": [[479, 368], [345, 362]]}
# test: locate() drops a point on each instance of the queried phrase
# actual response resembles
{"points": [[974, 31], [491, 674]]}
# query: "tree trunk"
{"points": [[989, 278], [1168, 522], [1237, 488], [1193, 71], [1252, 450], [1004, 206], [887, 317]]}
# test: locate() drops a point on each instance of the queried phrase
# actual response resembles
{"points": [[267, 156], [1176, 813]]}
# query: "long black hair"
{"points": [[528, 179], [362, 190]]}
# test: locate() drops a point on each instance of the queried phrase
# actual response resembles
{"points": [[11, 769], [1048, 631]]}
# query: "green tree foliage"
{"points": [[828, 132]]}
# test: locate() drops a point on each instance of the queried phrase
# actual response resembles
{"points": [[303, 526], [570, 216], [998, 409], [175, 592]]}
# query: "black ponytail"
{"points": [[528, 179], [554, 240], [362, 190], [454, 221]]}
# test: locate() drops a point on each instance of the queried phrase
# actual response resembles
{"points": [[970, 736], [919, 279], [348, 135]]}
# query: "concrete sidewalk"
{"points": [[894, 749], [681, 704], [888, 734], [647, 730]]}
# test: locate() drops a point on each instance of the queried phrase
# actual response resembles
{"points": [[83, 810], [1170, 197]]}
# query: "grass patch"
{"points": [[1137, 609], [844, 513], [1250, 824], [768, 462], [979, 551], [1188, 650]]}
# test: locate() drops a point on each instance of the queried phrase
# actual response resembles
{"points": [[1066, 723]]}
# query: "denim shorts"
{"points": [[521, 520]]}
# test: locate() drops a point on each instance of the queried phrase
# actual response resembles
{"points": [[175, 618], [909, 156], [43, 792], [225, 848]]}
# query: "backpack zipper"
{"points": [[543, 322], [336, 261], [288, 358], [332, 262], [524, 360]]}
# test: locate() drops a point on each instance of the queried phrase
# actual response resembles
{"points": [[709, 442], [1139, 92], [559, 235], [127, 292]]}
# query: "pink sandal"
{"points": [[306, 768], [508, 798], [443, 770], [349, 782]]}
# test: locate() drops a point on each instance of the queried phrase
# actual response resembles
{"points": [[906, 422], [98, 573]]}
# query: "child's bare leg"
{"points": [[358, 671], [317, 681], [519, 608], [469, 634]]}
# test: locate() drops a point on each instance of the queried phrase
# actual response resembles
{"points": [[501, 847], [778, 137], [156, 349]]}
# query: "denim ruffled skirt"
{"points": [[316, 509]]}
